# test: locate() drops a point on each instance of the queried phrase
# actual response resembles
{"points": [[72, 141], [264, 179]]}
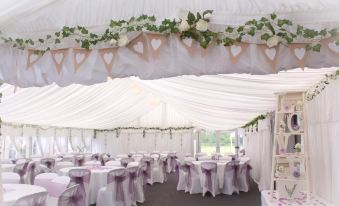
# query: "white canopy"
{"points": [[219, 102]]}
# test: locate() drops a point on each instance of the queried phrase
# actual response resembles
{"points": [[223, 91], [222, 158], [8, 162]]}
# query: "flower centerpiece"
{"points": [[297, 147]]}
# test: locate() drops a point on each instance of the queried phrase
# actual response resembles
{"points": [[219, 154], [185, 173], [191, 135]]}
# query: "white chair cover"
{"points": [[93, 163], [10, 178], [60, 165], [204, 158], [58, 185], [37, 199], [209, 178], [230, 180], [113, 163], [44, 180]]}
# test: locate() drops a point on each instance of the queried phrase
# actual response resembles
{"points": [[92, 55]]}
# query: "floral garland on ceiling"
{"points": [[270, 30], [321, 85], [253, 122], [117, 130]]}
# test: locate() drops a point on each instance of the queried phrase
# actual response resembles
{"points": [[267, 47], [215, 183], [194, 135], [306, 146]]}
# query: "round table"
{"points": [[98, 178], [13, 192], [7, 167]]}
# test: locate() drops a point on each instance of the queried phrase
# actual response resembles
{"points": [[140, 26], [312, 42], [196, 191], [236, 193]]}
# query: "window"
{"points": [[227, 142], [207, 142]]}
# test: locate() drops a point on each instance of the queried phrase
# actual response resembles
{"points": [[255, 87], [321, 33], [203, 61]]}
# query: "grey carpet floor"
{"points": [[167, 195]]}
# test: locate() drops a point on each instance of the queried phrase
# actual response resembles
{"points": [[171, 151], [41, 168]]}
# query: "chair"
{"points": [[44, 180], [48, 162], [114, 163], [58, 185], [135, 186], [21, 169], [171, 162], [210, 179], [82, 178], [189, 179], [33, 169], [230, 178], [243, 177], [124, 161], [21, 160], [37, 199], [116, 192], [10, 178], [163, 165], [79, 160], [95, 157], [149, 172], [70, 197]]}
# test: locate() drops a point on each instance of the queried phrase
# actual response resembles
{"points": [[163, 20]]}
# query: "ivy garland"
{"points": [[270, 30], [254, 122], [320, 86], [144, 130]]}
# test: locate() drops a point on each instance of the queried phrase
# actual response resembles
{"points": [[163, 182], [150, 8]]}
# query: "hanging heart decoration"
{"points": [[139, 47], [300, 53], [79, 57], [236, 50], [271, 55], [332, 46], [108, 56], [188, 44], [157, 42], [204, 51], [32, 58], [58, 57]]}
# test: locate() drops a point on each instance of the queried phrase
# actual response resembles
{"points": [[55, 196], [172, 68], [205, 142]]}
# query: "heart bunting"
{"points": [[108, 56], [331, 44], [32, 58], [188, 44], [156, 43], [79, 57], [139, 47], [58, 57], [236, 50], [203, 51], [300, 53], [271, 55]]}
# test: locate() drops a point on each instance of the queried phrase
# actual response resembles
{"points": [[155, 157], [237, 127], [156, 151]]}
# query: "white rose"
{"points": [[122, 41], [273, 41], [207, 16], [184, 26], [177, 20], [202, 25], [113, 42]]}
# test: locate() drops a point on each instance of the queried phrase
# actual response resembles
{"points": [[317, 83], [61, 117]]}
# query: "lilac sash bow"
{"points": [[233, 166], [69, 197], [95, 157], [79, 160], [133, 174], [208, 168], [118, 177], [164, 168], [172, 158], [124, 162], [186, 167], [48, 162], [21, 170], [80, 177], [31, 170]]}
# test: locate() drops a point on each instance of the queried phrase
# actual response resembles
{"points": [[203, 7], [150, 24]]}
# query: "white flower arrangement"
{"points": [[297, 147], [202, 25], [273, 41], [321, 85], [183, 26]]}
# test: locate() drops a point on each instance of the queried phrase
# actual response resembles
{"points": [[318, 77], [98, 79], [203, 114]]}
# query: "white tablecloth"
{"points": [[266, 200], [98, 179], [7, 167], [12, 192]]}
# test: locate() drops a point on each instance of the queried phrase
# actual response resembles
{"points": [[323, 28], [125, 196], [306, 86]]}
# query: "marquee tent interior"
{"points": [[178, 98]]}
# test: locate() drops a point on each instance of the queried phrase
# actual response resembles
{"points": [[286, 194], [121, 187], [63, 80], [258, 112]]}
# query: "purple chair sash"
{"points": [[172, 158], [124, 162], [133, 175], [21, 170], [118, 177], [80, 177], [208, 168], [31, 170], [187, 167], [233, 166], [48, 162], [69, 197], [95, 157], [79, 160], [164, 167]]}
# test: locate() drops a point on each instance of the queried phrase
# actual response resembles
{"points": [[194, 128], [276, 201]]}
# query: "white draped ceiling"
{"points": [[219, 102]]}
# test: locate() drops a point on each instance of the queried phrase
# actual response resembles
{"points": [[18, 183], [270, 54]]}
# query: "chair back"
{"points": [[95, 157], [33, 170], [69, 197], [133, 181], [116, 178], [21, 169], [209, 169], [37, 199], [124, 161], [48, 162], [80, 177], [149, 161], [79, 160], [163, 165]]}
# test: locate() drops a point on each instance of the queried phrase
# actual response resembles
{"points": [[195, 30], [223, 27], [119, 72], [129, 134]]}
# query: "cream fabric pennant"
{"points": [[79, 57], [271, 55], [108, 56], [331, 44], [188, 44], [156, 43], [236, 50], [139, 47], [204, 51], [300, 53], [32, 58], [58, 57]]}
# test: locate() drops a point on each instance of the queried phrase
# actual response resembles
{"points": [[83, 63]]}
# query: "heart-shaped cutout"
{"points": [[300, 53], [333, 46], [188, 42], [139, 47], [235, 50], [79, 57], [108, 57], [58, 57], [33, 58], [156, 43], [270, 53]]}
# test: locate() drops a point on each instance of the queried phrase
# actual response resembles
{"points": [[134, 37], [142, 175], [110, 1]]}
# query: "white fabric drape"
{"points": [[61, 140], [259, 150], [220, 102], [323, 132]]}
